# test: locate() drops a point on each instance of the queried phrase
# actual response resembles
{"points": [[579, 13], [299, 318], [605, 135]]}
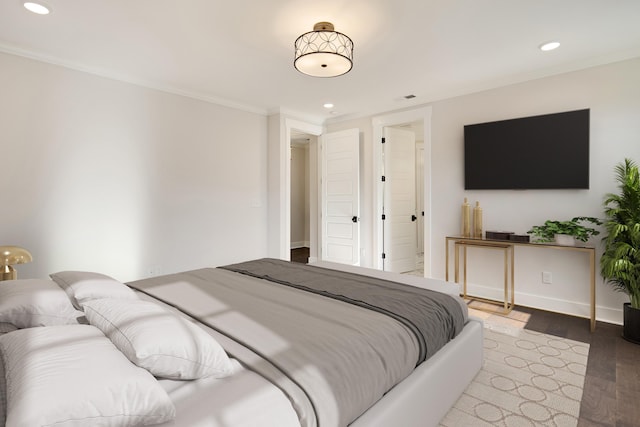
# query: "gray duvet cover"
{"points": [[407, 304], [332, 358]]}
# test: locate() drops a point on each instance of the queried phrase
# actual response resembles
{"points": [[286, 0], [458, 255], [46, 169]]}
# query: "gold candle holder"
{"points": [[477, 221], [466, 219]]}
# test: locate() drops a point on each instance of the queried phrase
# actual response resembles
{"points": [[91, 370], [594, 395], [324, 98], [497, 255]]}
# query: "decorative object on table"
{"points": [[477, 221], [519, 238], [620, 261], [10, 256], [564, 239], [499, 235], [466, 219], [553, 231]]}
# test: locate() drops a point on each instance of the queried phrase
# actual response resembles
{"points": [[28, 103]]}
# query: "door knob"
{"points": [[413, 218], [354, 219]]}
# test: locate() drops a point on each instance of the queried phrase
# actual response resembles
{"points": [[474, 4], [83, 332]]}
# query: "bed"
{"points": [[321, 345]]}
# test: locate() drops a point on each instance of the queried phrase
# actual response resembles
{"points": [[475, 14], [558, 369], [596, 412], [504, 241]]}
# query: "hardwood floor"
{"points": [[611, 393], [300, 255], [611, 396]]}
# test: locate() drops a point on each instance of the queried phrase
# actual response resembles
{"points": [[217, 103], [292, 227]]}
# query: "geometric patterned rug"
{"points": [[527, 379]]}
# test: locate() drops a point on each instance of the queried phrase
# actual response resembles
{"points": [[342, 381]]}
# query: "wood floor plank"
{"points": [[583, 422], [599, 402], [627, 410]]}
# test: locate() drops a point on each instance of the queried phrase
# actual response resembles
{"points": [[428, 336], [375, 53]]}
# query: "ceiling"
{"points": [[240, 53]]}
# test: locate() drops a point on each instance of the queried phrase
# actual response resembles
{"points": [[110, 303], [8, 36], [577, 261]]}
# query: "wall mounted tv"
{"points": [[550, 151]]}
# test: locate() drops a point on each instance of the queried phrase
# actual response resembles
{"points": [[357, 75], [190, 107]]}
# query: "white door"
{"points": [[399, 224], [341, 197]]}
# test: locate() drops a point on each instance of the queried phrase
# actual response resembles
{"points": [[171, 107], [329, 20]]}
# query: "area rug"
{"points": [[527, 379]]}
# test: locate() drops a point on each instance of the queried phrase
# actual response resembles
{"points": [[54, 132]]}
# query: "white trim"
{"points": [[379, 122], [108, 74], [285, 180], [298, 245], [572, 308]]}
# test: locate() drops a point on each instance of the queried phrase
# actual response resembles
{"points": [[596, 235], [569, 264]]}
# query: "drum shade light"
{"points": [[323, 52]]}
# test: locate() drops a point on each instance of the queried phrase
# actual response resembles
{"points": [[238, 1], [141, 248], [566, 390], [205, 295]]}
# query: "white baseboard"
{"points": [[298, 245], [603, 314]]}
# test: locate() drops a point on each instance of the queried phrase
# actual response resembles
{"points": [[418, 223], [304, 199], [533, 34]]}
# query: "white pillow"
{"points": [[73, 376], [82, 286], [158, 340], [35, 302]]}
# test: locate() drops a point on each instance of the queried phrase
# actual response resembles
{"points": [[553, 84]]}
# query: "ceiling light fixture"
{"points": [[328, 105], [549, 46], [323, 52], [38, 8]]}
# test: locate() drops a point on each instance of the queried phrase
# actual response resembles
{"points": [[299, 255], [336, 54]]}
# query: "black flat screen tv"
{"points": [[550, 151]]}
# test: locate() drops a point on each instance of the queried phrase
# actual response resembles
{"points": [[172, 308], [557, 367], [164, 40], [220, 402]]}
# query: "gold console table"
{"points": [[508, 247]]}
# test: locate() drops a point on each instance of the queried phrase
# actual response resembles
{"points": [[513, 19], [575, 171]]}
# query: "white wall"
{"points": [[299, 196], [612, 93], [105, 176]]}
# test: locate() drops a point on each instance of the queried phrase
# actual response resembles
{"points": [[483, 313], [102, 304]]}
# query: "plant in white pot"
{"points": [[565, 232], [620, 261]]}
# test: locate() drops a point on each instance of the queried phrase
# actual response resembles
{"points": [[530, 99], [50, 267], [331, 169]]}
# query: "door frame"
{"points": [[285, 182], [420, 194], [378, 123]]}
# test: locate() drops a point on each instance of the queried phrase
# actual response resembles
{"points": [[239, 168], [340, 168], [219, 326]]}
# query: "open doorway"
{"points": [[324, 218], [279, 184], [419, 122], [403, 198], [417, 128]]}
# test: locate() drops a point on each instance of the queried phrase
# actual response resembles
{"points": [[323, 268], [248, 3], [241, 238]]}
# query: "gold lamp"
{"points": [[10, 256]]}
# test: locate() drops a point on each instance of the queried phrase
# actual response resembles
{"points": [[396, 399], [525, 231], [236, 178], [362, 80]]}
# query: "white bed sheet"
{"points": [[244, 399]]}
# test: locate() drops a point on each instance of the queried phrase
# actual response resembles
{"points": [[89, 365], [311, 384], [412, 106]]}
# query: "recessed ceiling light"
{"points": [[328, 105], [549, 46], [38, 8]]}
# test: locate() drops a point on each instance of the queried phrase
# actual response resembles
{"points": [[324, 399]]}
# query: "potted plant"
{"points": [[620, 261], [553, 230]]}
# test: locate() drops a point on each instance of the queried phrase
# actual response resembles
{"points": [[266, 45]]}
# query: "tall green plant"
{"points": [[620, 262]]}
